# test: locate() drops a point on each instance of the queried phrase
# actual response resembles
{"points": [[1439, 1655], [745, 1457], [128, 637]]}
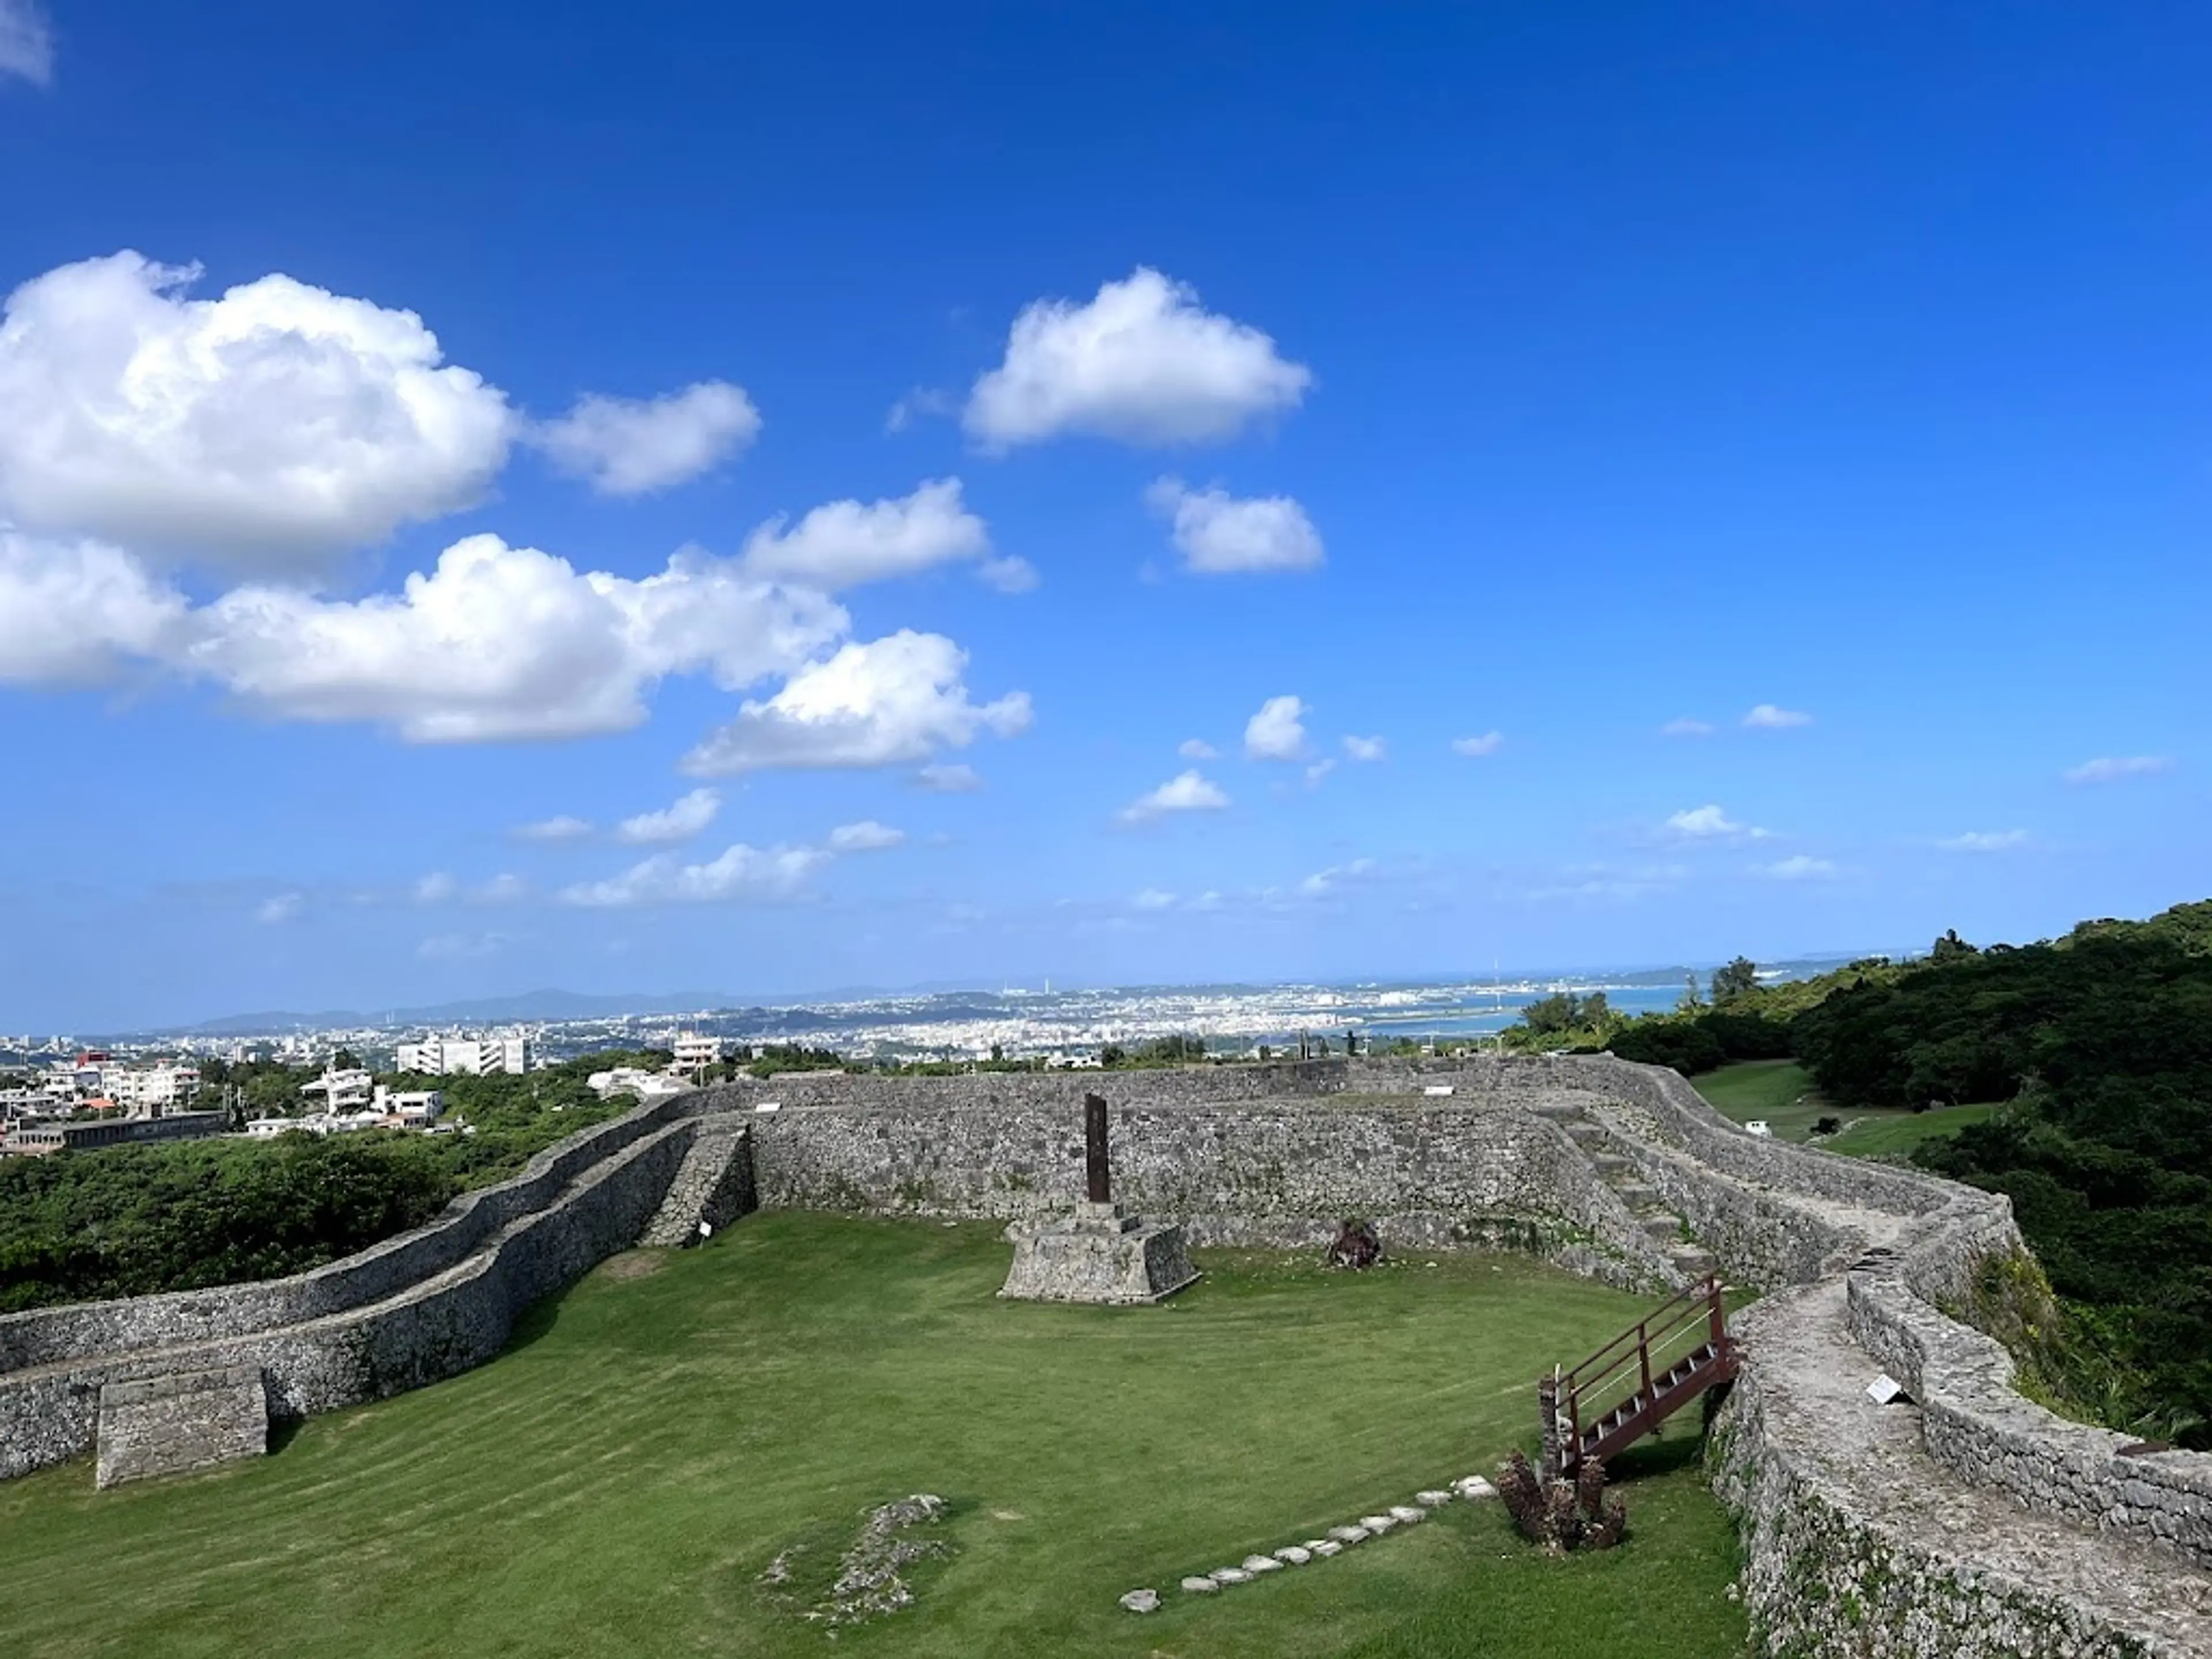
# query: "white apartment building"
{"points": [[459, 1056], [693, 1051], [158, 1088]]}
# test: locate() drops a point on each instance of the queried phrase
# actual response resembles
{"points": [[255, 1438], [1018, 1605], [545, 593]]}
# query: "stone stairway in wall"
{"points": [[712, 1187], [1609, 1158]]}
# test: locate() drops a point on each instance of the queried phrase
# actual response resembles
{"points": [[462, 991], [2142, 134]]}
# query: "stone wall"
{"points": [[176, 1423], [1280, 1170], [415, 1310]]}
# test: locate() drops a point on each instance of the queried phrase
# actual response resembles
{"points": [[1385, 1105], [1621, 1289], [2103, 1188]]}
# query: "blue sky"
{"points": [[1537, 394]]}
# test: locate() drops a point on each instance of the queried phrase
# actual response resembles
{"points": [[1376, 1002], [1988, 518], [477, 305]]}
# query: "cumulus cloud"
{"points": [[502, 642], [1197, 748], [279, 908], [1187, 791], [1324, 882], [955, 778], [1220, 534], [679, 820], [265, 432], [1277, 732], [71, 613], [1366, 749], [1153, 898], [1711, 823], [561, 827], [1320, 770], [1799, 868], [845, 543], [1767, 717], [741, 873], [1143, 363], [1477, 747], [866, 837], [1684, 727], [920, 402], [26, 42], [891, 702], [632, 445], [435, 888], [439, 888], [2113, 768], [1984, 841]]}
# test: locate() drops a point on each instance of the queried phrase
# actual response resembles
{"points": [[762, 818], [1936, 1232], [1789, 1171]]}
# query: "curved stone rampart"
{"points": [[426, 1305]]}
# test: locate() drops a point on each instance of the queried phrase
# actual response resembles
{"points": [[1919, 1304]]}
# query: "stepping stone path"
{"points": [[1467, 1487]]}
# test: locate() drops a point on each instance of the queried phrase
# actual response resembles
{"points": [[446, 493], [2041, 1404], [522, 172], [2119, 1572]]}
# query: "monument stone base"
{"points": [[1097, 1255]]}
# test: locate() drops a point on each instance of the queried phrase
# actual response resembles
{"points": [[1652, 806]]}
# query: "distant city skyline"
{"points": [[494, 499]]}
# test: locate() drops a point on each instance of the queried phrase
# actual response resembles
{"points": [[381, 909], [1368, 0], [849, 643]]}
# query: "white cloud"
{"points": [[1984, 841], [1320, 770], [866, 837], [563, 828], [1476, 748], [279, 907], [921, 401], [1197, 748], [1187, 791], [845, 543], [265, 432], [2113, 768], [1767, 717], [893, 701], [1799, 868], [435, 888], [502, 642], [1711, 824], [632, 446], [27, 41], [955, 778], [1221, 535], [71, 613], [1142, 363], [1684, 727], [1276, 732], [1366, 749], [741, 873], [679, 820], [1322, 882], [1153, 898], [438, 887]]}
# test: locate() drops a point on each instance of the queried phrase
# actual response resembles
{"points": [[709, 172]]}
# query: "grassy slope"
{"points": [[616, 1484], [1780, 1092]]}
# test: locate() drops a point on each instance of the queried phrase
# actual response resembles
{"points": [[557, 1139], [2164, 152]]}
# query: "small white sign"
{"points": [[706, 1229], [1437, 1089], [1884, 1388], [1758, 1127], [768, 1106]]}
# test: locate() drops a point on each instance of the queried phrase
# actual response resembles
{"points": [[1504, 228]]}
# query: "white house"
{"points": [[156, 1088], [341, 1091]]}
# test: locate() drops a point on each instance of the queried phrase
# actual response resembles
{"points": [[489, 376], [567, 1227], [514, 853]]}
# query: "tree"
{"points": [[345, 1061], [1950, 948], [1690, 1001], [1737, 979]]}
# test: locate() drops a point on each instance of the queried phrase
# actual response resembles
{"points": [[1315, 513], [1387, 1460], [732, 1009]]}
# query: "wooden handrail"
{"points": [[1631, 1353]]}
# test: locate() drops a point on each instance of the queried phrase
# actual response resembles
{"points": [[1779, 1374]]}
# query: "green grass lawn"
{"points": [[1780, 1092], [617, 1482]]}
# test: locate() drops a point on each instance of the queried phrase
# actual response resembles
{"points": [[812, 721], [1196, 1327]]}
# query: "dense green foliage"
{"points": [[617, 1482], [128, 1220], [2102, 1041], [132, 1220]]}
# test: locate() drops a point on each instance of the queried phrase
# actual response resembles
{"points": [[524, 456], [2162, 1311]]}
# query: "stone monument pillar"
{"points": [[1097, 1253]]}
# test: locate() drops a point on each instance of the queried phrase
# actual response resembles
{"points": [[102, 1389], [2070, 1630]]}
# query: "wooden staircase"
{"points": [[1641, 1378]]}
